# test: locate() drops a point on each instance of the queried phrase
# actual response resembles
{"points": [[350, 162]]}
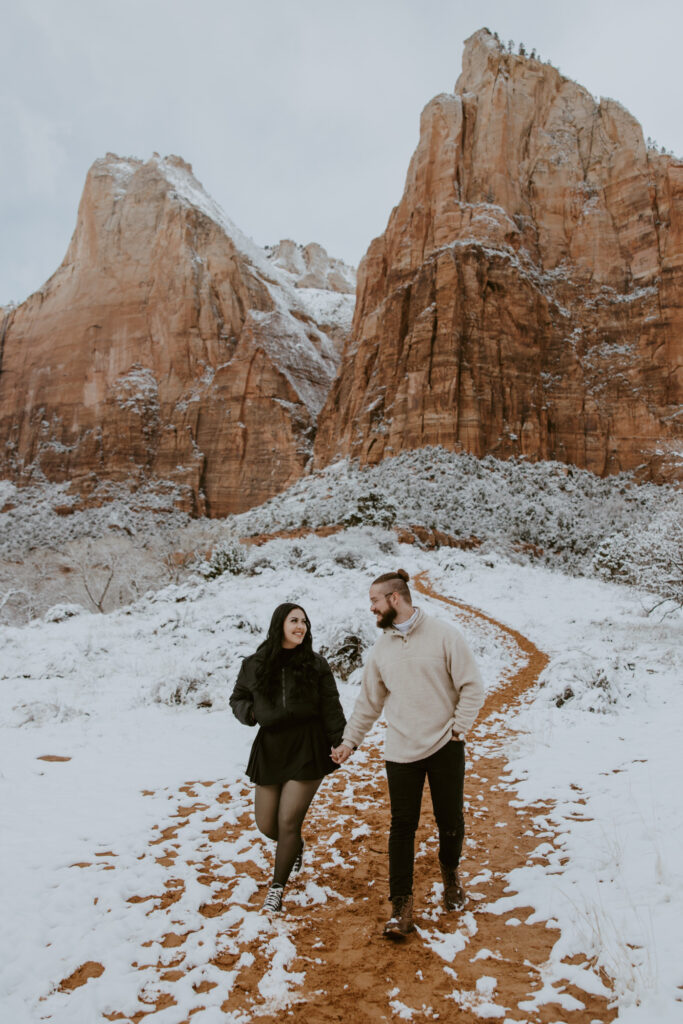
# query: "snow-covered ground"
{"points": [[137, 700]]}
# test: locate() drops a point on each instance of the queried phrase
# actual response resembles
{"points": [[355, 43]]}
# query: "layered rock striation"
{"points": [[526, 296], [167, 346]]}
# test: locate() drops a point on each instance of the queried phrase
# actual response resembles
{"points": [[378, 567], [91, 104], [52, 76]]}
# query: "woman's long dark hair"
{"points": [[302, 661]]}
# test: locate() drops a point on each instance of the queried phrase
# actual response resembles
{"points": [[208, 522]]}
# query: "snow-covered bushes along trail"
{"points": [[55, 551]]}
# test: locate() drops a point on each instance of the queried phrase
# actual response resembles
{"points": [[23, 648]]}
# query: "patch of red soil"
{"points": [[430, 539], [82, 974], [258, 539]]}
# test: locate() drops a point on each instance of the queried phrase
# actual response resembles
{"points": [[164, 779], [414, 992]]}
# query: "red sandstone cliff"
{"points": [[526, 296], [169, 346]]}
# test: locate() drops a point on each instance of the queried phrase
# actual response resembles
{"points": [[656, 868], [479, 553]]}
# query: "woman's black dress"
{"points": [[299, 719]]}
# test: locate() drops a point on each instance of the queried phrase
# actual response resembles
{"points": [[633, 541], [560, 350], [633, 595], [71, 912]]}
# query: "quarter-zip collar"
{"points": [[393, 631]]}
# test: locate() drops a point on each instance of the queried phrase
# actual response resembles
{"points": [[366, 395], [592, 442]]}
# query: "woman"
{"points": [[289, 691]]}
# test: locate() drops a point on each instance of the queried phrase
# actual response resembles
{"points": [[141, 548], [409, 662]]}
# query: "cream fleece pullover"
{"points": [[426, 682]]}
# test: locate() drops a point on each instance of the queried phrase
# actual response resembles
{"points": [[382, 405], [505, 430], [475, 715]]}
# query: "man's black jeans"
{"points": [[446, 773]]}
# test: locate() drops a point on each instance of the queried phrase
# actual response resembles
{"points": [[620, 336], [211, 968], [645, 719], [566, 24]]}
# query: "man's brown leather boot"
{"points": [[400, 923], [453, 895]]}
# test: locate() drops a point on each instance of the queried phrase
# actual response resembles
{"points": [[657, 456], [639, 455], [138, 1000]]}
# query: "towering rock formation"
{"points": [[526, 297], [168, 346]]}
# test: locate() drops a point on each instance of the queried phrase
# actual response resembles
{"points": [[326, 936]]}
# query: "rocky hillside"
{"points": [[526, 296], [168, 346]]}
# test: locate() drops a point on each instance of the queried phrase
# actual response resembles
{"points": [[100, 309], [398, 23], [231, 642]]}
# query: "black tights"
{"points": [[280, 811]]}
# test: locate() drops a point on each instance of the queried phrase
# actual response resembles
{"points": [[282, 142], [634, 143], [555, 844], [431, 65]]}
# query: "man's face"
{"points": [[381, 606]]}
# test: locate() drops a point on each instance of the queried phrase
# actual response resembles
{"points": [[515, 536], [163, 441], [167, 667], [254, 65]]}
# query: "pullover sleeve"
{"points": [[467, 681], [331, 711], [242, 700], [368, 706]]}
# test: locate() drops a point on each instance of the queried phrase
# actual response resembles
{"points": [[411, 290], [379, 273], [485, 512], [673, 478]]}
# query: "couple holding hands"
{"points": [[422, 675]]}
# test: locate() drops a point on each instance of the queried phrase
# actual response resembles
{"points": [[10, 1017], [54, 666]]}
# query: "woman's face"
{"points": [[294, 629]]}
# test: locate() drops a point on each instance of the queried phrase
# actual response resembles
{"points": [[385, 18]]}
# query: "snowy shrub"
{"points": [[650, 558], [350, 549], [348, 559], [297, 554], [578, 680], [450, 559], [187, 690], [258, 560], [372, 509], [16, 605], [345, 651], [41, 712], [388, 545], [238, 622], [305, 556], [62, 612], [227, 558], [611, 560]]}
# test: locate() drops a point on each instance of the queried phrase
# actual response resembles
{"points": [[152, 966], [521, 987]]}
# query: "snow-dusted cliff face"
{"points": [[526, 297], [168, 345]]}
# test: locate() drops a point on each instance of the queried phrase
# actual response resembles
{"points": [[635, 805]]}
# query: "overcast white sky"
{"points": [[298, 116]]}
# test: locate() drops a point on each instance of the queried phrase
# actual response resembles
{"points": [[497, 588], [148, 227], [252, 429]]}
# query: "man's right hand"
{"points": [[341, 753]]}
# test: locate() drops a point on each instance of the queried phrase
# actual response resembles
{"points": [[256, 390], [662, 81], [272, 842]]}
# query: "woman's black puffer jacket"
{"points": [[289, 703]]}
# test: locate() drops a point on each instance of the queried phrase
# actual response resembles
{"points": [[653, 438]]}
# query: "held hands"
{"points": [[341, 753]]}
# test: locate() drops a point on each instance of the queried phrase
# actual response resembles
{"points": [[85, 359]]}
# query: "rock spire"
{"points": [[526, 297], [167, 346]]}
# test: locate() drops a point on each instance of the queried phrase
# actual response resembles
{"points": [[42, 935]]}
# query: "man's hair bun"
{"points": [[393, 578]]}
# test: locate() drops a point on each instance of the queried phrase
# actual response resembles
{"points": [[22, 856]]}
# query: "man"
{"points": [[422, 674]]}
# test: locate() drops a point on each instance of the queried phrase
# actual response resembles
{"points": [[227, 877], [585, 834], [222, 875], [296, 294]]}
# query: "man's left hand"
{"points": [[341, 753]]}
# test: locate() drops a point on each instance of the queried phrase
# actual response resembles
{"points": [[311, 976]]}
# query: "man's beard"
{"points": [[387, 619]]}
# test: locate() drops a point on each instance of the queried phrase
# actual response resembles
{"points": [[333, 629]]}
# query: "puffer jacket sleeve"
{"points": [[242, 698], [331, 710]]}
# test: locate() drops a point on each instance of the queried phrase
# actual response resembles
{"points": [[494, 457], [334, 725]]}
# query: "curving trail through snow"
{"points": [[212, 957], [513, 688]]}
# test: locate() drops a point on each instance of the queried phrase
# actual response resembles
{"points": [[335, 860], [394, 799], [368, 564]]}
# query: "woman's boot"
{"points": [[400, 923]]}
